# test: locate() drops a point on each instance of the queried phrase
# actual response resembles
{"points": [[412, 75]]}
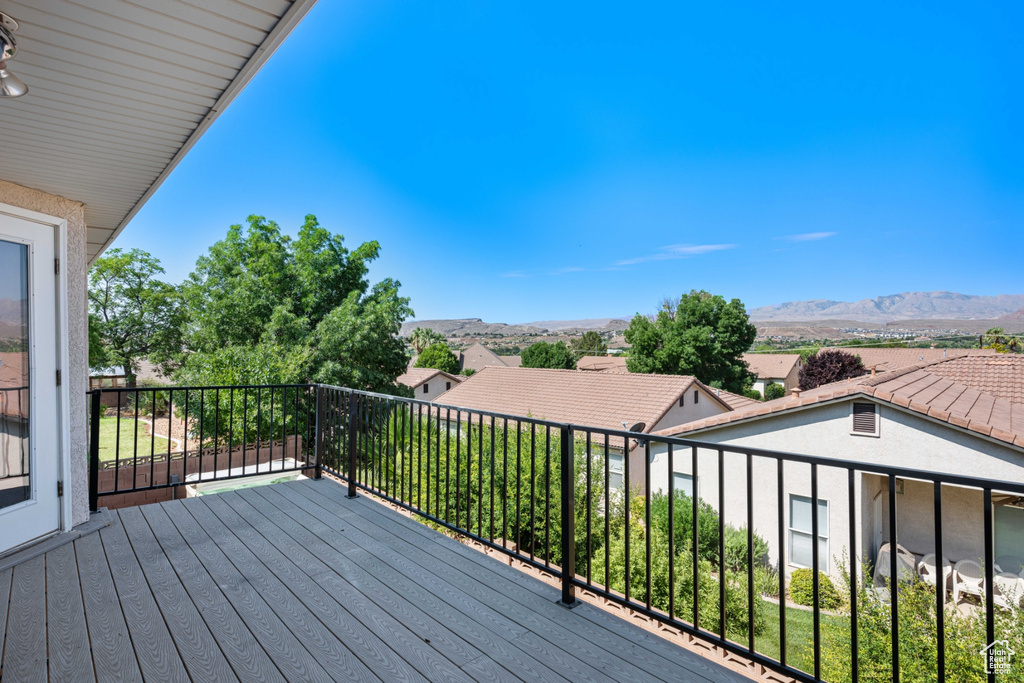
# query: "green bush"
{"points": [[801, 590], [754, 394], [736, 549], [774, 391], [439, 357]]}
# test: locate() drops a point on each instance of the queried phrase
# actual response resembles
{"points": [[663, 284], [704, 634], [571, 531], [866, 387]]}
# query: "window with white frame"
{"points": [[682, 482], [615, 470], [801, 533]]}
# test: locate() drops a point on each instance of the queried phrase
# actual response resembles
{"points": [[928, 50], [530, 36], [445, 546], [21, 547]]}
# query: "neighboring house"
{"points": [[886, 360], [427, 383], [774, 368], [960, 416], [593, 399], [85, 165], [477, 357], [602, 364]]}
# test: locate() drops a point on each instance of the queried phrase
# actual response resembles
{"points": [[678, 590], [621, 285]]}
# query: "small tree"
{"points": [[996, 339], [829, 366], [774, 391], [590, 344], [422, 337], [439, 357], [547, 355]]}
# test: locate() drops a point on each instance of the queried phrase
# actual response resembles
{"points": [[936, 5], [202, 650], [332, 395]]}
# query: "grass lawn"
{"points": [[108, 439], [799, 636]]}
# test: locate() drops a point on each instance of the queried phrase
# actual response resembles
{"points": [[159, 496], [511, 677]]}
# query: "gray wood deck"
{"points": [[297, 582]]}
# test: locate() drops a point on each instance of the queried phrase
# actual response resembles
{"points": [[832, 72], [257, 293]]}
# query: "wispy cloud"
{"points": [[807, 236], [676, 251], [568, 269]]}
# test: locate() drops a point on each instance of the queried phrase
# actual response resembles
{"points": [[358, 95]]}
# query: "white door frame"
{"points": [[60, 226]]}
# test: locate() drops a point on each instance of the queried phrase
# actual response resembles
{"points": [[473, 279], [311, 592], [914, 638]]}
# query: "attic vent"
{"points": [[864, 418]]}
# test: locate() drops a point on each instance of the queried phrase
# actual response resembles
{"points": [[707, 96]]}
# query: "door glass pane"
{"points": [[14, 393]]}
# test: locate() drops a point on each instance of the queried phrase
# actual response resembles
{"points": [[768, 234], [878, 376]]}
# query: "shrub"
{"points": [[439, 357], [754, 394], [468, 372], [736, 549], [546, 355], [774, 391], [801, 590], [829, 366]]}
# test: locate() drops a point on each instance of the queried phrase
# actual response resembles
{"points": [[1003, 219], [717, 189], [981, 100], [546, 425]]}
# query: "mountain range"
{"points": [[905, 306]]}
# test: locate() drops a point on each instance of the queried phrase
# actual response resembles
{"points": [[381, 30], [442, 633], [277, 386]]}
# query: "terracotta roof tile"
{"points": [[602, 363], [594, 399], [922, 388], [413, 377], [771, 365], [887, 360]]}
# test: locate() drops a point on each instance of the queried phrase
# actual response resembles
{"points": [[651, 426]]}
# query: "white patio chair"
{"points": [[1009, 589], [1009, 563], [929, 573], [968, 577], [906, 564]]}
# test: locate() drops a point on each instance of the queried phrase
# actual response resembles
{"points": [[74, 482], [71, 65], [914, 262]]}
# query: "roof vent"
{"points": [[796, 392]]}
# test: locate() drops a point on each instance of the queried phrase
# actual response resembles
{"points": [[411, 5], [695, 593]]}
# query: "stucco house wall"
{"points": [[904, 440], [435, 387], [78, 338]]}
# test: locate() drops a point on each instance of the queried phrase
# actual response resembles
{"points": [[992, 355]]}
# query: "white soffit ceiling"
{"points": [[120, 90]]}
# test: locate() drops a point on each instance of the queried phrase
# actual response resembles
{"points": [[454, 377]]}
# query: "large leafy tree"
{"points": [[266, 308], [439, 357], [701, 335], [589, 344], [548, 355], [133, 314]]}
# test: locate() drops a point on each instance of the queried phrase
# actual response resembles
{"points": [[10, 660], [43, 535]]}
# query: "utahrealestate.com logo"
{"points": [[998, 657]]}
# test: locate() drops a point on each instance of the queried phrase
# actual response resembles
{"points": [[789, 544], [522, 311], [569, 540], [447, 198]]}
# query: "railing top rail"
{"points": [[168, 387]]}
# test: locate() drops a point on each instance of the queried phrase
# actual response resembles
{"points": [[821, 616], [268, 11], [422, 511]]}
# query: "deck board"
{"points": [[295, 581], [70, 658]]}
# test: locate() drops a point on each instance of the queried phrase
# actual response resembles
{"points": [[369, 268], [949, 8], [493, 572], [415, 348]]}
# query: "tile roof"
{"points": [[771, 365], [512, 361], [413, 377], [593, 399], [886, 360], [477, 357], [602, 364], [919, 388], [1001, 374], [734, 401]]}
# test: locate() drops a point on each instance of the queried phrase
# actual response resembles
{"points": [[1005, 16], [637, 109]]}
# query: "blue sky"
{"points": [[530, 161]]}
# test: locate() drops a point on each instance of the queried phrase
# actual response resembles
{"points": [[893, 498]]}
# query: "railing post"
{"points": [[568, 520], [353, 411], [318, 437], [94, 451]]}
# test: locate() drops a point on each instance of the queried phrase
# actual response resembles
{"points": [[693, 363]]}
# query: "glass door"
{"points": [[29, 458]]}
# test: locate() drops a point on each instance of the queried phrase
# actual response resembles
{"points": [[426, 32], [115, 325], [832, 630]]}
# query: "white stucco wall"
{"points": [[78, 353], [435, 387], [905, 440]]}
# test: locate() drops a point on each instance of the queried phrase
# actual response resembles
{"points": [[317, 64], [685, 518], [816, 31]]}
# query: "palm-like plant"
{"points": [[422, 337]]}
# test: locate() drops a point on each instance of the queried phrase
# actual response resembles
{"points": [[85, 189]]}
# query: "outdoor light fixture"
{"points": [[10, 85]]}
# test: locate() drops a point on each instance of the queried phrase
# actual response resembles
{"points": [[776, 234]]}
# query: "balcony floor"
{"points": [[295, 581]]}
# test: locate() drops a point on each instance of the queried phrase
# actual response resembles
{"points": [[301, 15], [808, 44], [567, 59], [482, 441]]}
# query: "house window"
{"points": [[447, 386], [696, 396], [426, 388], [801, 549], [1009, 538], [683, 482], [682, 400], [865, 419], [615, 465]]}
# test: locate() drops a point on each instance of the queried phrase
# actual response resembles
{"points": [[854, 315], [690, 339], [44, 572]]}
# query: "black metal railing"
{"points": [[701, 536], [145, 439]]}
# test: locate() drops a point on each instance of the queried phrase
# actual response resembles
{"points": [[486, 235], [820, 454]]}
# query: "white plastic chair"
{"points": [[1009, 563], [906, 564], [968, 577], [929, 573], [1009, 588]]}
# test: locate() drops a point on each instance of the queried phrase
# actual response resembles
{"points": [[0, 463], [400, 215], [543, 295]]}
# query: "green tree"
{"points": [[97, 349], [774, 391], [996, 339], [548, 355], [422, 337], [134, 314], [439, 357], [703, 335], [305, 302], [590, 344]]}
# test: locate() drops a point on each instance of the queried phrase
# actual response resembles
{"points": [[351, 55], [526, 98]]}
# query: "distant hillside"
{"points": [[468, 327], [908, 305], [1016, 315]]}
